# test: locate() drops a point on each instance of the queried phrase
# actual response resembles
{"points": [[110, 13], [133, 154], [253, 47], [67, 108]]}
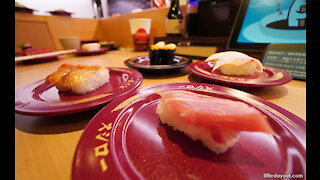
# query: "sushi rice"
{"points": [[98, 79]]}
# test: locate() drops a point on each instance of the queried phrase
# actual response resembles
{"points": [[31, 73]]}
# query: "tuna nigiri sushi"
{"points": [[235, 63], [215, 121], [79, 79]]}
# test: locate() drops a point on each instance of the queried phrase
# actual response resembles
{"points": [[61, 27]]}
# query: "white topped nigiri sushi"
{"points": [[216, 122], [90, 47], [235, 63]]}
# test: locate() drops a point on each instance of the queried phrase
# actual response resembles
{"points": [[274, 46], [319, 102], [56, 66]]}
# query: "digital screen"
{"points": [[274, 21]]}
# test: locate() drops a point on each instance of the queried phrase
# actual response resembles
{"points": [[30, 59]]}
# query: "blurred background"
{"points": [[92, 8]]}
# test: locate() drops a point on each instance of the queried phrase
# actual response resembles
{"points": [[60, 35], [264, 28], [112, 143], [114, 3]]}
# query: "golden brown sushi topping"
{"points": [[60, 77], [163, 46]]}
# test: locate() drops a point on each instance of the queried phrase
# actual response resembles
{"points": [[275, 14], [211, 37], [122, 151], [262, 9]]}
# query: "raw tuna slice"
{"points": [[216, 122]]}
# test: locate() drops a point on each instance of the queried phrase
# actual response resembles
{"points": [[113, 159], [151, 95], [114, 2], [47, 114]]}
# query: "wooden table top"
{"points": [[44, 146]]}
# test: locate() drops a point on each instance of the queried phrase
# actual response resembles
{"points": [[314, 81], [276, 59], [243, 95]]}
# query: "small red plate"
{"points": [[269, 77], [23, 9], [126, 140], [45, 99], [81, 52]]}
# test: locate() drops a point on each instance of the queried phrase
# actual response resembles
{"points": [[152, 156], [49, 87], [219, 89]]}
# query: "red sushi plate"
{"points": [[126, 140], [45, 99], [81, 52], [269, 77], [47, 58]]}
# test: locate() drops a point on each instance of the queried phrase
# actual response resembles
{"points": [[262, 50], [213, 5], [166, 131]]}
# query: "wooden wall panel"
{"points": [[117, 28], [66, 26], [44, 31], [34, 31]]}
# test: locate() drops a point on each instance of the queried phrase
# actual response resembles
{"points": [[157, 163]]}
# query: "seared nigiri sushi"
{"points": [[79, 79], [235, 63], [216, 122]]}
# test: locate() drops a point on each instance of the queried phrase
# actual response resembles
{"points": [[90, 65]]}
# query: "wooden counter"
{"points": [[44, 146]]}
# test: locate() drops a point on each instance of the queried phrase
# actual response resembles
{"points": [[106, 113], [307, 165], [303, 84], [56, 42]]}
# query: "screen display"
{"points": [[274, 21]]}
